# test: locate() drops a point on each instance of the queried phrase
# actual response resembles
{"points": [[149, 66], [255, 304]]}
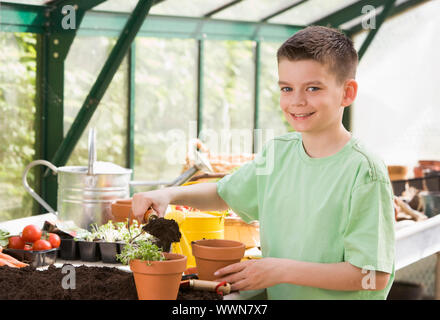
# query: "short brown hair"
{"points": [[325, 45]]}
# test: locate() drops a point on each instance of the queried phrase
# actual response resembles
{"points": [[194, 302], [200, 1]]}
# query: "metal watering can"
{"points": [[85, 194]]}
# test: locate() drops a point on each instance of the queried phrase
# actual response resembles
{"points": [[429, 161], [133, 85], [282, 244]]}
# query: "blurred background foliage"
{"points": [[165, 105], [17, 121]]}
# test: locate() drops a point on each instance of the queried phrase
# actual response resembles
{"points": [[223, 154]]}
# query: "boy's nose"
{"points": [[297, 100]]}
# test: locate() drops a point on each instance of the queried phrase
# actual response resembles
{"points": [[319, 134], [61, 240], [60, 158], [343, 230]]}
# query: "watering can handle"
{"points": [[92, 151], [30, 190]]}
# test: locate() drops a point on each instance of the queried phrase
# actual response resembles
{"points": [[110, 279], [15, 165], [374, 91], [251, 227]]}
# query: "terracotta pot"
{"points": [[121, 210], [238, 230], [158, 280], [397, 172], [214, 254], [125, 201]]}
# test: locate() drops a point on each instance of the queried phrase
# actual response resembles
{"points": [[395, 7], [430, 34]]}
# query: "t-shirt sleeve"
{"points": [[369, 239]]}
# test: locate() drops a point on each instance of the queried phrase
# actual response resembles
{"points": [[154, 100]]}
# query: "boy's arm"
{"points": [[267, 272], [202, 196]]}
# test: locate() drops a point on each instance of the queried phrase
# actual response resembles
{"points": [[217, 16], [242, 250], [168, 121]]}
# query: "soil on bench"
{"points": [[190, 294], [92, 283]]}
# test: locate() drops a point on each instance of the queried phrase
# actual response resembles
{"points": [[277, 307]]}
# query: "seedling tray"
{"points": [[69, 249]]}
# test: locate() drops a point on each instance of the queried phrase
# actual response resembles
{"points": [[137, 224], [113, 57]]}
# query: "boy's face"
{"points": [[311, 98]]}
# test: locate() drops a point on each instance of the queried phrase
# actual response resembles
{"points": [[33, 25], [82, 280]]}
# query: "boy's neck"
{"points": [[325, 143]]}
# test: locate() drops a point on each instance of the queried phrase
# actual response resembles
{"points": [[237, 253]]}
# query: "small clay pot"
{"points": [[108, 250], [214, 254], [121, 210], [158, 280], [89, 251]]}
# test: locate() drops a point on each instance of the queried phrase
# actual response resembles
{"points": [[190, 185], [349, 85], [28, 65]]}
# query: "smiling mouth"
{"points": [[301, 116]]}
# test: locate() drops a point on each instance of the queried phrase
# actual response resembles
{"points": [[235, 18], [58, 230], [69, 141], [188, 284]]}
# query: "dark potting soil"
{"points": [[92, 283], [166, 230], [190, 294]]}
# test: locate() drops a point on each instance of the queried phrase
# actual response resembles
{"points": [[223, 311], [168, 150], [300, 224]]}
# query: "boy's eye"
{"points": [[286, 89], [313, 89]]}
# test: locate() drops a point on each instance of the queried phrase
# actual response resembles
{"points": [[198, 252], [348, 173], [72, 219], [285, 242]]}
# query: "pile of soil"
{"points": [[92, 283], [190, 294], [166, 230]]}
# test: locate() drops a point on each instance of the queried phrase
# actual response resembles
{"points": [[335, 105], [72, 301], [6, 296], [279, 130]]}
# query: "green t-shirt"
{"points": [[326, 210]]}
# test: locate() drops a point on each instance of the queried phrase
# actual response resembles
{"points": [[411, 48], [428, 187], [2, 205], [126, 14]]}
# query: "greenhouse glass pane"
{"points": [[83, 64], [17, 135], [117, 5], [310, 11], [255, 9], [189, 8], [228, 104], [166, 108], [396, 113], [271, 118]]}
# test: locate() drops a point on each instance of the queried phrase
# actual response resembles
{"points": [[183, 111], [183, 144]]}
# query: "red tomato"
{"points": [[41, 244], [28, 247], [16, 243], [31, 233], [54, 240]]}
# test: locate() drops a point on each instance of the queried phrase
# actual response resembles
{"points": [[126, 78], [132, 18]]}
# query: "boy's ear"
{"points": [[350, 92]]}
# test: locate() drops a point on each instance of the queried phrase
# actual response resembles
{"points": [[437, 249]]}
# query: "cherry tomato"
{"points": [[41, 244], [31, 233], [54, 240], [16, 243], [28, 247]]}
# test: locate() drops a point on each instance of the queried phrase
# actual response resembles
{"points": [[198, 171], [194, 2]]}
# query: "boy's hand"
{"points": [[158, 199], [251, 274]]}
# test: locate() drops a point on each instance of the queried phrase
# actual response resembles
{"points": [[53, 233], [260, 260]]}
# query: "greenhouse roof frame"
{"points": [[54, 43], [27, 17]]}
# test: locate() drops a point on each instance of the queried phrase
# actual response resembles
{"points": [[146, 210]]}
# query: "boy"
{"points": [[325, 204]]}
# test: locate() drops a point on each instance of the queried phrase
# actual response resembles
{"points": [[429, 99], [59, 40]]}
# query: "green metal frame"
{"points": [[16, 17], [347, 13], [54, 44], [200, 73], [409, 4], [221, 8], [102, 23]]}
